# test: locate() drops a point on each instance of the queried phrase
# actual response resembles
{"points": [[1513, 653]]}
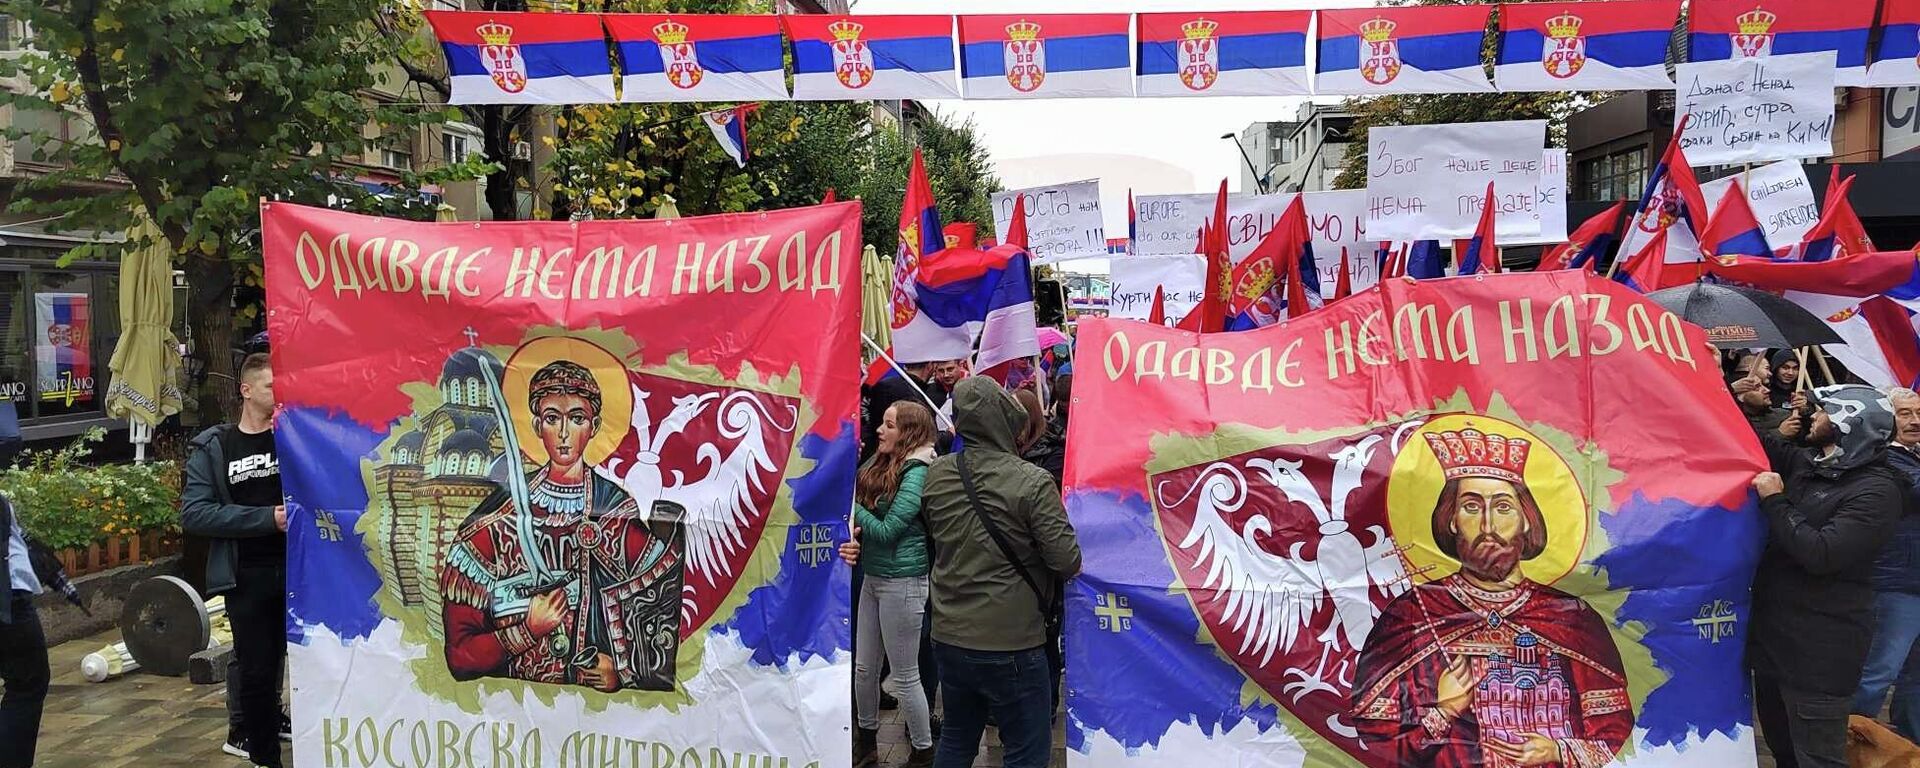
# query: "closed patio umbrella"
{"points": [[146, 363], [876, 297]]}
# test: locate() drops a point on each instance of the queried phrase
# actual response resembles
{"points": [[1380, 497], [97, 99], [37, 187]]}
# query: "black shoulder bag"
{"points": [[1049, 615]]}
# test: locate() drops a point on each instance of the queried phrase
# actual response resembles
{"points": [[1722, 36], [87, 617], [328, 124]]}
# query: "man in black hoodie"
{"points": [[1828, 507]]}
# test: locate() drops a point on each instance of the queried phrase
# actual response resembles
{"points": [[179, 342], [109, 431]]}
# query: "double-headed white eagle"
{"points": [[1269, 599], [718, 506]]}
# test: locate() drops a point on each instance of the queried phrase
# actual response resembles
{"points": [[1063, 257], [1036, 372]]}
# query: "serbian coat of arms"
{"points": [[677, 54], [1026, 56], [852, 60], [1199, 54], [1565, 50], [1380, 56], [502, 57]]}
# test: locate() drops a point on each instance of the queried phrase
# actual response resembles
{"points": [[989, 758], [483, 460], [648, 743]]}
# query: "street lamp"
{"points": [[1259, 179]]}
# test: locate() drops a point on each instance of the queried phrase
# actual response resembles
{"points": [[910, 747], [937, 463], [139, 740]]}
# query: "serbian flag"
{"points": [[1673, 197], [1587, 244], [1858, 276], [1732, 29], [63, 359], [1585, 46], [1244, 53], [918, 336], [1343, 287], [524, 58], [729, 127], [695, 57], [1158, 315], [1424, 261], [1045, 56], [839, 57], [1881, 346], [1480, 251], [1849, 232], [992, 287], [1646, 269], [1422, 49], [1897, 60], [1733, 230]]}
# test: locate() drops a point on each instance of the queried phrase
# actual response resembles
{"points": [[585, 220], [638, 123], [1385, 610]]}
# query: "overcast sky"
{"points": [[1084, 138]]}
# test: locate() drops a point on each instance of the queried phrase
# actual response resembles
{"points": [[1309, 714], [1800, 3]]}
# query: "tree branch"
{"points": [[93, 93]]}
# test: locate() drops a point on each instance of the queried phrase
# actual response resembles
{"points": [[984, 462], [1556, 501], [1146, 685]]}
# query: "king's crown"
{"points": [[1377, 30], [495, 33], [1199, 29], [670, 32], [1754, 22], [1023, 31], [1563, 26], [845, 30]]}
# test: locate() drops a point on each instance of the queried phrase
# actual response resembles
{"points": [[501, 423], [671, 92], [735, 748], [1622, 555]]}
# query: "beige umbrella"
{"points": [[446, 213], [876, 297], [667, 209], [146, 363]]}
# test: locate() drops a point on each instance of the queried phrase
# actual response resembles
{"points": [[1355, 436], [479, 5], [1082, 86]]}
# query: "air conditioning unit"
{"points": [[522, 150]]}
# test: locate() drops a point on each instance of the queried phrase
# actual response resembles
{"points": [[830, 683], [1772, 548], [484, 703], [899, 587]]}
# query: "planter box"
{"points": [[116, 551]]}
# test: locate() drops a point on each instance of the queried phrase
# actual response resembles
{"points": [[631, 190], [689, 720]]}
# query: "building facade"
{"points": [[1299, 155]]}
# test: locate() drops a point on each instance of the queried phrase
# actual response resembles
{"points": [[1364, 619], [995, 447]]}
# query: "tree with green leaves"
{"points": [[197, 110]]}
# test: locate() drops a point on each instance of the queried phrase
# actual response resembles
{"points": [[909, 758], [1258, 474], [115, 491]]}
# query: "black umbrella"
{"points": [[1743, 318]]}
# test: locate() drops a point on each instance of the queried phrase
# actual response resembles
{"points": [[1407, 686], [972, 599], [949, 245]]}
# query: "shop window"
{"points": [[14, 319]]}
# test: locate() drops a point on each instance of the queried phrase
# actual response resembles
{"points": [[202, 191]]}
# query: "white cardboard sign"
{"points": [[1780, 197], [1063, 221], [1427, 182], [1134, 279], [1756, 110]]}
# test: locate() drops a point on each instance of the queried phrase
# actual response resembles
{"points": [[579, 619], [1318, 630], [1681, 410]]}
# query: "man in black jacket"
{"points": [[1828, 508]]}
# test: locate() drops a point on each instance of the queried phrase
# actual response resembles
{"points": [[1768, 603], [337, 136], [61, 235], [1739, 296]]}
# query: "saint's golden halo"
{"points": [[616, 393]]}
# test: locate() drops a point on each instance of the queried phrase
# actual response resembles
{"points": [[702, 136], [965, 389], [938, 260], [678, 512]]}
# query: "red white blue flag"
{"points": [[1427, 49], [1480, 253], [694, 57], [1045, 56], [1735, 29], [729, 127], [1587, 244], [1897, 60], [918, 337], [872, 57], [1733, 230], [1247, 53], [1673, 197], [1585, 45], [524, 58]]}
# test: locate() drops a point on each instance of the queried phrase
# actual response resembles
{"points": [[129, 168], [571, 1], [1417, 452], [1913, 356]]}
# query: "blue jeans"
{"points": [[1898, 615], [1010, 685]]}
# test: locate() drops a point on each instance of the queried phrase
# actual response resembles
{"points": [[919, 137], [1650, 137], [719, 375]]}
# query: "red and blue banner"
{"points": [[1241, 53], [696, 57], [1046, 56], [1287, 543], [1420, 49], [1735, 29], [63, 350], [580, 482], [1619, 45], [1897, 59], [872, 57], [524, 58]]}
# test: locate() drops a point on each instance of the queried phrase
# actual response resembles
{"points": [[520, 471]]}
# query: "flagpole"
{"points": [[1820, 356], [1805, 381], [910, 382]]}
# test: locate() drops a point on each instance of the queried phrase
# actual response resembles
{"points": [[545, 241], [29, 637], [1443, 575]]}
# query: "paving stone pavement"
{"points": [[151, 721]]}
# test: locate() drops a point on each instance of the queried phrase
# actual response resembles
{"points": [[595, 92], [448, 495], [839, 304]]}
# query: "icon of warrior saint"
{"points": [[579, 587], [1486, 667]]}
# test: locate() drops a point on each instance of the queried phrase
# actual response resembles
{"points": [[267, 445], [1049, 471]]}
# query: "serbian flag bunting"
{"points": [[872, 57], [696, 57], [1730, 29], [1733, 230], [1045, 56], [1586, 245], [1424, 49], [1897, 60], [524, 58], [1584, 45], [1245, 53]]}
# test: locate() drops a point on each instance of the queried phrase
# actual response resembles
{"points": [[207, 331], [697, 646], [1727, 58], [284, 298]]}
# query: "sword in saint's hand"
{"points": [[516, 478]]}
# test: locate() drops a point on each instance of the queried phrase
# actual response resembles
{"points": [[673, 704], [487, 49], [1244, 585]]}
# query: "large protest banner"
{"points": [[567, 493], [1299, 530]]}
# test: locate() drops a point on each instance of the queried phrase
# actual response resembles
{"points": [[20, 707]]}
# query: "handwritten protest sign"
{"points": [[1426, 182], [1182, 277], [1063, 221], [1756, 110], [1780, 197], [1547, 204], [1170, 224]]}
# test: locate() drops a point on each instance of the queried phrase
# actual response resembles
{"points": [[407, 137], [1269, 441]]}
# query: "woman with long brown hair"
{"points": [[893, 596]]}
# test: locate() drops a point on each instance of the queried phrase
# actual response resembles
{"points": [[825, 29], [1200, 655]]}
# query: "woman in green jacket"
{"points": [[893, 597]]}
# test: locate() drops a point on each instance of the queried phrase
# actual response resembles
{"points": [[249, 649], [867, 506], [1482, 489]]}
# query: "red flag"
{"points": [[1262, 270], [829, 197], [1297, 302], [1479, 253], [1645, 271], [1344, 286], [1849, 234], [1158, 315], [1017, 226], [1584, 247], [1213, 317], [1733, 230]]}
